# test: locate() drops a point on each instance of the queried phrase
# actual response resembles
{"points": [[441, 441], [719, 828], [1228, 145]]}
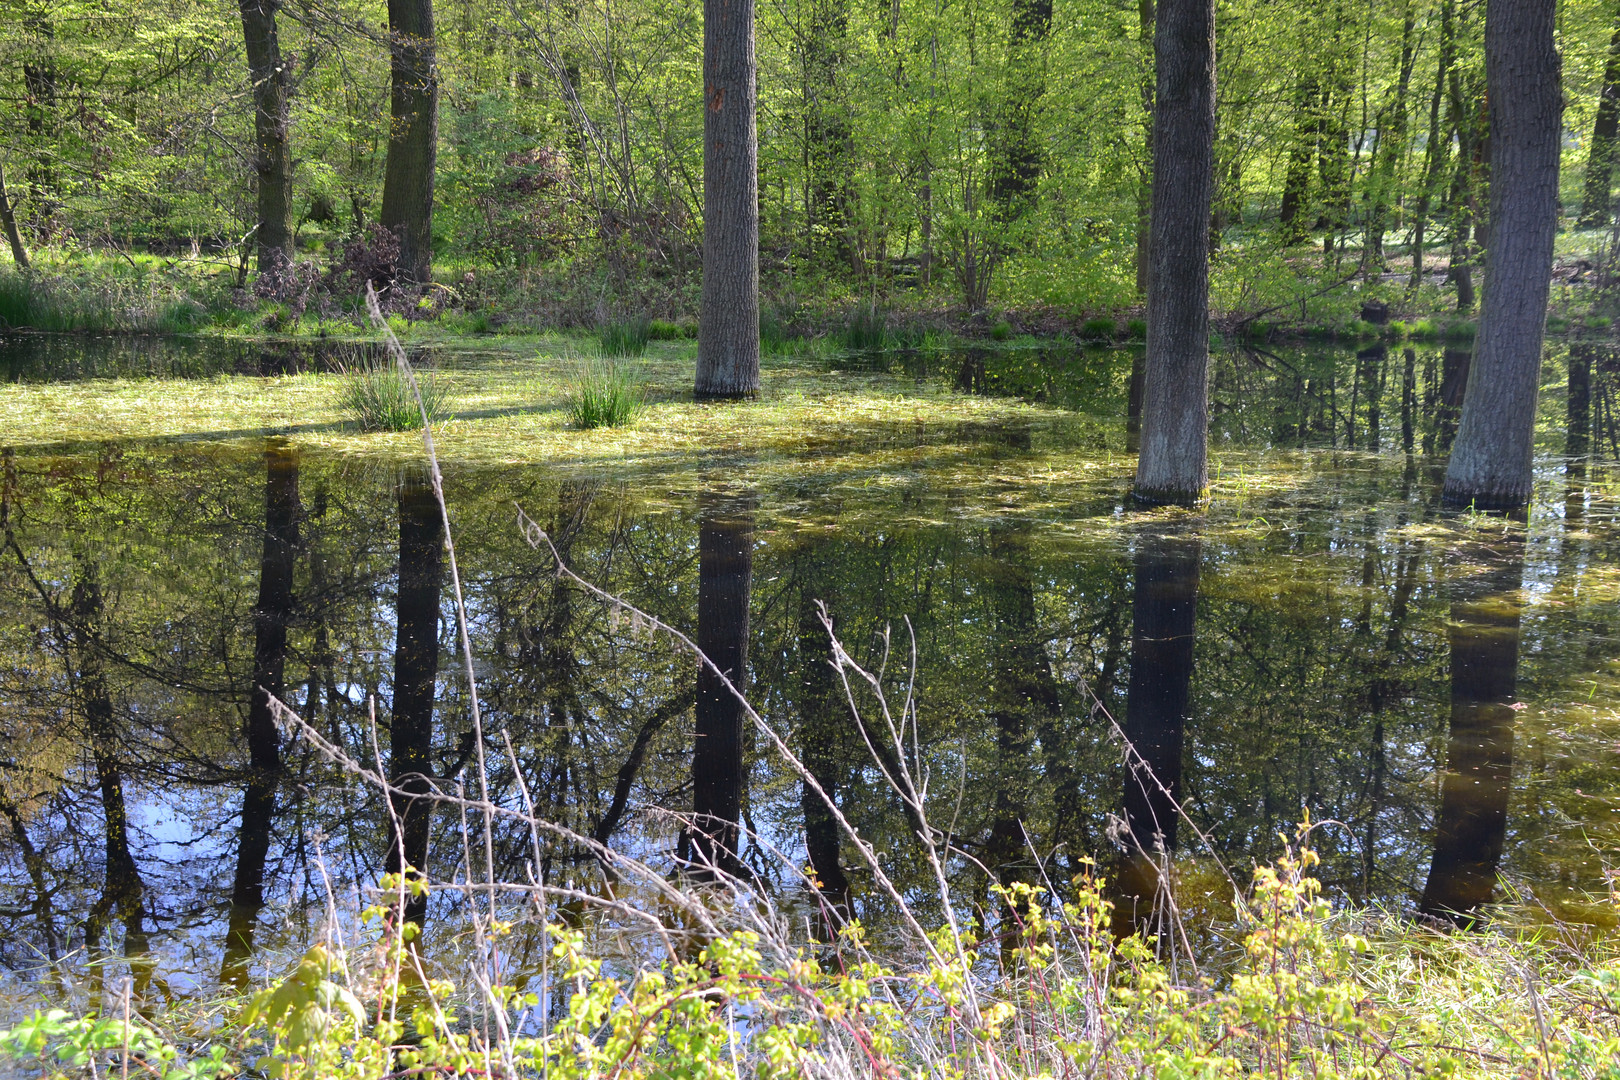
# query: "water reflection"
{"points": [[1164, 616], [272, 614], [725, 575], [1472, 823]]}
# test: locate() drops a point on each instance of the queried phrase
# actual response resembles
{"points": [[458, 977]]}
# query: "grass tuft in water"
{"points": [[624, 337], [604, 396], [1102, 330], [1462, 331], [866, 328], [374, 394]]}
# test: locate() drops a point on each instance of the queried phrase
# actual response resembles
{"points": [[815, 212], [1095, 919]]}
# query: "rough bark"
{"points": [[1490, 463], [271, 615], [1015, 166], [1484, 637], [1175, 413], [725, 574], [272, 159], [728, 319], [1164, 612], [407, 201], [8, 218], [416, 670], [1297, 180], [1595, 198]]}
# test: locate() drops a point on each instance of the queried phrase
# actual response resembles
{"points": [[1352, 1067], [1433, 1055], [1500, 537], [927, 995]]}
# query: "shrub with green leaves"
{"points": [[604, 396], [1100, 330], [375, 394]]}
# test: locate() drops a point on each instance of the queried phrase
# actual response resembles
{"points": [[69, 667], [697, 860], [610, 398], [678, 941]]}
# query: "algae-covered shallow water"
{"points": [[1319, 639]]}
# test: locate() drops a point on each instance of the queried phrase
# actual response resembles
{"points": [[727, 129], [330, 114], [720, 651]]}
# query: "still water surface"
{"points": [[1321, 639]]}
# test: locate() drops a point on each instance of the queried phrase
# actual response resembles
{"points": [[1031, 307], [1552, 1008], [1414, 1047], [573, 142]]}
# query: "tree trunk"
{"points": [[416, 670], [1391, 144], [1175, 413], [1605, 130], [728, 320], [413, 142], [272, 162], [1490, 464], [8, 218], [829, 139], [1164, 614], [824, 720], [1015, 167], [725, 574], [1484, 635], [1434, 153], [1297, 180], [1145, 17], [271, 614]]}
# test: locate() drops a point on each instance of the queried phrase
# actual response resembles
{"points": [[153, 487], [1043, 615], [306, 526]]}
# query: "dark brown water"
{"points": [[1321, 639]]}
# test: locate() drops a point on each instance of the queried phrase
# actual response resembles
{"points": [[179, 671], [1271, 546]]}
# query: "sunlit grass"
{"points": [[604, 396], [375, 394]]}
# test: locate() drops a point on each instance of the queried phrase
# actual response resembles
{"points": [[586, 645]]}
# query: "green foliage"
{"points": [[624, 337], [604, 396], [1311, 994], [375, 394], [774, 337], [1001, 331], [1423, 330], [1136, 329], [664, 330], [1461, 332]]}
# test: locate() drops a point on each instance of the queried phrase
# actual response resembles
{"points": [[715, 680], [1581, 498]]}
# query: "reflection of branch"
{"points": [[632, 764]]}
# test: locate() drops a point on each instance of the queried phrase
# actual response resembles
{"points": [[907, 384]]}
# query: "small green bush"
{"points": [[182, 317], [1422, 330], [1136, 329], [624, 337], [1557, 324], [1598, 322], [1461, 331], [1098, 330], [1001, 331], [375, 395], [866, 328], [604, 396], [663, 330]]}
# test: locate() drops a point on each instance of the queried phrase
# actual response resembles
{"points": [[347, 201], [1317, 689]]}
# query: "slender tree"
{"points": [[1490, 462], [272, 159], [8, 218], [1175, 413], [728, 320], [1605, 132], [413, 140]]}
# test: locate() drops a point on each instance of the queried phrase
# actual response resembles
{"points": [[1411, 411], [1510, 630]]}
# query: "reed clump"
{"points": [[604, 395], [625, 337], [376, 395]]}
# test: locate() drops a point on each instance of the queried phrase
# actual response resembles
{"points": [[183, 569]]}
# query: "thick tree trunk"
{"points": [[272, 162], [728, 321], [725, 575], [1175, 413], [1595, 199], [413, 142], [1164, 614], [1490, 463], [416, 670], [1145, 18], [1015, 167], [8, 218], [271, 615], [1297, 180], [1478, 777]]}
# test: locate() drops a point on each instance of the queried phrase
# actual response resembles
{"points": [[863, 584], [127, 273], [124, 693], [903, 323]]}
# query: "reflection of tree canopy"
{"points": [[1319, 675]]}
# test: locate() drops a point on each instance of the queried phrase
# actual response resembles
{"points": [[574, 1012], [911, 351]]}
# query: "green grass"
{"points": [[1098, 330], [35, 302], [1136, 329], [1422, 330], [1002, 331], [374, 393], [1461, 331], [664, 330], [624, 337], [866, 328], [605, 396]]}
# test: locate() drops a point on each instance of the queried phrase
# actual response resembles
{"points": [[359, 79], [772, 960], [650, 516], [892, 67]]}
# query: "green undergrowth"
{"points": [[604, 395], [1308, 993], [376, 395]]}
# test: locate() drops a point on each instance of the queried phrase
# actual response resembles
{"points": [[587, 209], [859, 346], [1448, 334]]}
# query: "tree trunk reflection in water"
{"points": [[1577, 438], [1164, 610], [1484, 636], [725, 574], [823, 721], [271, 614], [416, 670]]}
